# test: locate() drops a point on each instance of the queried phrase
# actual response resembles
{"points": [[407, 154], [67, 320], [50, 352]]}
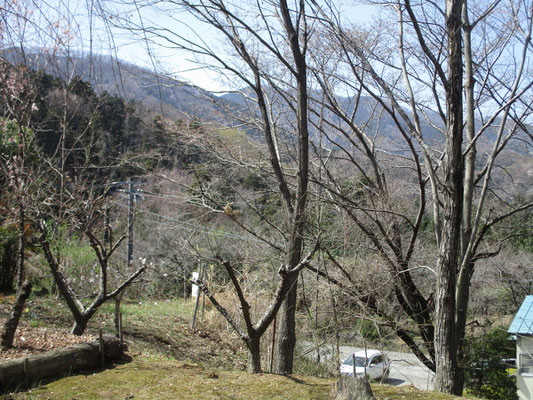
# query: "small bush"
{"points": [[486, 375], [8, 258]]}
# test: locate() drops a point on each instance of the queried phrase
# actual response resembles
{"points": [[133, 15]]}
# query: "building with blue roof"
{"points": [[522, 329]]}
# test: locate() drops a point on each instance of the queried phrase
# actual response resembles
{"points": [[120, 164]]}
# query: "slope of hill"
{"points": [[176, 99], [173, 98]]}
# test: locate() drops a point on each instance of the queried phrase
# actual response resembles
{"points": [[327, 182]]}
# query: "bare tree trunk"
{"points": [[118, 301], [287, 331], [287, 326], [462, 297], [254, 354], [448, 378], [11, 324], [21, 242], [79, 326], [8, 264], [351, 388], [467, 268]]}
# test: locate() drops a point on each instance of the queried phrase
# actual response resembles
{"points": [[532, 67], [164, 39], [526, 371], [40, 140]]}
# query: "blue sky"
{"points": [[136, 50], [78, 25]]}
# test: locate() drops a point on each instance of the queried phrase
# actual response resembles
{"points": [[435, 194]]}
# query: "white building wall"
{"points": [[524, 380]]}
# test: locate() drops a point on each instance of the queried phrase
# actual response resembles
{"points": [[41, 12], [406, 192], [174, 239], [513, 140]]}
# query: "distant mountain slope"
{"points": [[178, 100], [131, 82], [106, 73], [376, 121]]}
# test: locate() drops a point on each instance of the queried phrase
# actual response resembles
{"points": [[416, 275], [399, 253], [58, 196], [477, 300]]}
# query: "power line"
{"points": [[187, 226], [241, 204]]}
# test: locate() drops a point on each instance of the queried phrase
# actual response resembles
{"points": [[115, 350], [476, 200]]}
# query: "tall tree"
{"points": [[267, 45], [425, 73]]}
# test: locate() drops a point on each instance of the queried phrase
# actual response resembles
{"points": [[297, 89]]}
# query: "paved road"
{"points": [[406, 369]]}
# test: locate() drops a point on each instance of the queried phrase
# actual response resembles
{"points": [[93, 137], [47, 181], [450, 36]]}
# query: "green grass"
{"points": [[152, 379], [157, 310], [170, 361], [168, 379]]}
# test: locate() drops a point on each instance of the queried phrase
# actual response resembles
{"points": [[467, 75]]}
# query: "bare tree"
{"points": [[17, 141], [267, 46], [74, 199], [420, 85], [62, 191], [88, 219]]}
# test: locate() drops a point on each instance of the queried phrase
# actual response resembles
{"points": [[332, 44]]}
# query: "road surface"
{"points": [[405, 369]]}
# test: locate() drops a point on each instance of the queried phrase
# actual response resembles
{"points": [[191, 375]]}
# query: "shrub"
{"points": [[486, 375], [8, 258]]}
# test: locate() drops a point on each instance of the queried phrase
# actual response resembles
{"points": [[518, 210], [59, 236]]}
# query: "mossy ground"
{"points": [[146, 378], [171, 361], [166, 379]]}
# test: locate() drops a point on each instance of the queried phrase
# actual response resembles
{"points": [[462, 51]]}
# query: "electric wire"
{"points": [[187, 226]]}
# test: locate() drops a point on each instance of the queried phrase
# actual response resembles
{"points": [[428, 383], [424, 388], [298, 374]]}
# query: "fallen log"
{"points": [[57, 362]]}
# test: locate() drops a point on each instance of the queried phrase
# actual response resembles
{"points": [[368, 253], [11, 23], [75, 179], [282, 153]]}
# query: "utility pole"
{"points": [[131, 216], [130, 222]]}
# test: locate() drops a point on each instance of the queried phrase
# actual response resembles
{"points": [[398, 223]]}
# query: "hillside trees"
{"points": [[62, 194], [453, 81], [457, 101], [266, 54], [439, 143], [70, 206], [65, 193], [16, 156]]}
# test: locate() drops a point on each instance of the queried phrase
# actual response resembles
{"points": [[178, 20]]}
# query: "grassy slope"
{"points": [[170, 361]]}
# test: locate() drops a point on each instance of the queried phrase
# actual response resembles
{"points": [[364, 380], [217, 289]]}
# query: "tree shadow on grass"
{"points": [[296, 380], [393, 382]]}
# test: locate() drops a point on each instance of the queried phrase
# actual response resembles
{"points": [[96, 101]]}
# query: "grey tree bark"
{"points": [[448, 377], [287, 326]]}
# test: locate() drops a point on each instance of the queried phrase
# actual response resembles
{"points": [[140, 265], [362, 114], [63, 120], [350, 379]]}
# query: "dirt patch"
{"points": [[30, 339], [151, 329], [34, 340]]}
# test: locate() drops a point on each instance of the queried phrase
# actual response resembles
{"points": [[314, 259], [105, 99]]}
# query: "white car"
{"points": [[373, 363]]}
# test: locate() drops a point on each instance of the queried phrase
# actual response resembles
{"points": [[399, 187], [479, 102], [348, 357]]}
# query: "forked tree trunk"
{"points": [[79, 326], [287, 326]]}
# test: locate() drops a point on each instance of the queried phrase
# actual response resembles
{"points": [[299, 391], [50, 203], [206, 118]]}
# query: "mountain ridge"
{"points": [[177, 100]]}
